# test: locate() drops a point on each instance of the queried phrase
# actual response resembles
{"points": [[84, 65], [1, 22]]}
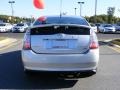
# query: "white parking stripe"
{"points": [[13, 44], [115, 49]]}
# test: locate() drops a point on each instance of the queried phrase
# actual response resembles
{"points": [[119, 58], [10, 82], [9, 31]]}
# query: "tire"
{"points": [[28, 72]]}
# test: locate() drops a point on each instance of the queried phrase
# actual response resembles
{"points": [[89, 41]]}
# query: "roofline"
{"points": [[63, 16]]}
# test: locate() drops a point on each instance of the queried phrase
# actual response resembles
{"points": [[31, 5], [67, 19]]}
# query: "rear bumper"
{"points": [[64, 73], [60, 62]]}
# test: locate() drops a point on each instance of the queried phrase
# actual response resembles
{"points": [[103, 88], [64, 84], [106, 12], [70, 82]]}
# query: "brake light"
{"points": [[94, 45], [26, 44], [93, 42]]}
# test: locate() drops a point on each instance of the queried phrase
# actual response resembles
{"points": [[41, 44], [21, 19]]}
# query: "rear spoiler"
{"points": [[48, 25], [60, 28]]}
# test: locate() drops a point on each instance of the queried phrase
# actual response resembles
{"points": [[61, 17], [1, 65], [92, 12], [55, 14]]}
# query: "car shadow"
{"points": [[12, 75], [102, 43]]}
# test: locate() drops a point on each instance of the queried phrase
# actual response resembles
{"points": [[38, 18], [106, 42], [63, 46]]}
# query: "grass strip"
{"points": [[116, 41]]}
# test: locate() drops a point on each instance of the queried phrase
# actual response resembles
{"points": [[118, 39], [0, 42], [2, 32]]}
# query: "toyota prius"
{"points": [[60, 44]]}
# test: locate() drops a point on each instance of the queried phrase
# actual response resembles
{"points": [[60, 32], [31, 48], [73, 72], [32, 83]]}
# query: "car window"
{"points": [[117, 24], [20, 24], [62, 20], [71, 30], [107, 25]]}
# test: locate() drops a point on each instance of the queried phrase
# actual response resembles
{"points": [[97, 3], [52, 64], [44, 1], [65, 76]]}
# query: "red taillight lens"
{"points": [[26, 44], [94, 45], [93, 41]]}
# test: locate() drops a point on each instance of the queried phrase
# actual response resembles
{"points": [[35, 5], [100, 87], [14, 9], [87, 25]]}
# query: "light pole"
{"points": [[60, 8], [80, 3], [75, 10], [12, 2], [95, 11]]}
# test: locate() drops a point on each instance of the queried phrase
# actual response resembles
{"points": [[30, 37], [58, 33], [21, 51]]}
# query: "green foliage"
{"points": [[10, 19], [116, 41], [99, 19], [103, 19]]}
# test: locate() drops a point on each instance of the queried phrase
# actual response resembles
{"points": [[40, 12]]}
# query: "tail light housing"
{"points": [[26, 43], [94, 45], [93, 41]]}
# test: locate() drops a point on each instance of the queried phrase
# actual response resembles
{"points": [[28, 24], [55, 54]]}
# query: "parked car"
{"points": [[60, 44], [104, 28], [94, 27], [20, 27], [117, 27], [5, 27]]}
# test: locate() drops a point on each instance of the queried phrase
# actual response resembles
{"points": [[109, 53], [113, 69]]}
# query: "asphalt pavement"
{"points": [[12, 75]]}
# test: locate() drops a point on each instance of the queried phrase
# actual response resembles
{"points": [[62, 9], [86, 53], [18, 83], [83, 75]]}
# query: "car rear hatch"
{"points": [[60, 39]]}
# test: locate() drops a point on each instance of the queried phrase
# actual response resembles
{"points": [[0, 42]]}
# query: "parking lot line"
{"points": [[115, 49], [8, 46]]}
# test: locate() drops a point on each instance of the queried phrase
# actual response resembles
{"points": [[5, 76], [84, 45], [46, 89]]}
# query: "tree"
{"points": [[10, 19]]}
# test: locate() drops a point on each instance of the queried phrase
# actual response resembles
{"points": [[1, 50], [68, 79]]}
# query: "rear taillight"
{"points": [[93, 41], [94, 45], [26, 44]]}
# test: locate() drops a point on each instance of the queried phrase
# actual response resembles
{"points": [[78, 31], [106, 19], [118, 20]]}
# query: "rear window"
{"points": [[70, 30], [63, 20], [2, 24], [20, 24], [107, 25]]}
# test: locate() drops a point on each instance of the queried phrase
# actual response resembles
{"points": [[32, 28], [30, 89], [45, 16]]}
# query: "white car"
{"points": [[60, 44], [5, 27], [20, 27], [105, 28]]}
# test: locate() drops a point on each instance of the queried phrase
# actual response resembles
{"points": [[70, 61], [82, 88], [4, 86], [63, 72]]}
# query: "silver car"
{"points": [[104, 28], [20, 27], [62, 44], [5, 27]]}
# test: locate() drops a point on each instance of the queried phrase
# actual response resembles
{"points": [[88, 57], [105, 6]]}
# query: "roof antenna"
{"points": [[60, 8]]}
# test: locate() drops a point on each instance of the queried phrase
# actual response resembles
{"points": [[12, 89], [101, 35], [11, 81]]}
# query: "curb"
{"points": [[114, 45], [6, 42], [111, 44]]}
